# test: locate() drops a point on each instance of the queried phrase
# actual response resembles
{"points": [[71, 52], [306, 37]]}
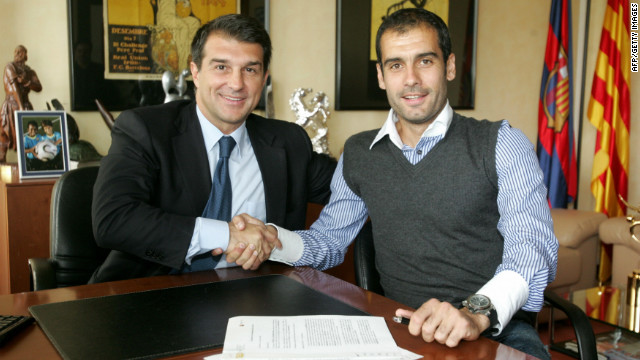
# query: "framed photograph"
{"points": [[42, 143], [356, 25]]}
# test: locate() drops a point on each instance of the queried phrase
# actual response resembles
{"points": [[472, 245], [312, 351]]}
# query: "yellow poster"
{"points": [[382, 8], [145, 38]]}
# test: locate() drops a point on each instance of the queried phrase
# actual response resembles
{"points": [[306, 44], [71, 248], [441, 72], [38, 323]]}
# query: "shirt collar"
{"points": [[212, 134], [438, 127]]}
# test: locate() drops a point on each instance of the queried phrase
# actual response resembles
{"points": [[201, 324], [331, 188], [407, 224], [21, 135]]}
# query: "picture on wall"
{"points": [[119, 49], [143, 39], [43, 145]]}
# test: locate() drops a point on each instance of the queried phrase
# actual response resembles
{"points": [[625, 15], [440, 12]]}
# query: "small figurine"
{"points": [[175, 90], [312, 117], [19, 80]]}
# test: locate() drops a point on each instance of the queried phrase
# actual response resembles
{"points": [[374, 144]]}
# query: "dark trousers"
{"points": [[521, 335]]}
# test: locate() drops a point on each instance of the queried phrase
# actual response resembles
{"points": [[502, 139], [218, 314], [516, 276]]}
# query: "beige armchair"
{"points": [[626, 250], [578, 253], [577, 233]]}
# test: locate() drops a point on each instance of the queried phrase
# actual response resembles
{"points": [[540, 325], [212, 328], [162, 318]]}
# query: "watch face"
{"points": [[479, 302]]}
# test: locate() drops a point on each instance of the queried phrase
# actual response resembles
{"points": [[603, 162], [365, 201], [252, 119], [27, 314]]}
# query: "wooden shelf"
{"points": [[24, 226]]}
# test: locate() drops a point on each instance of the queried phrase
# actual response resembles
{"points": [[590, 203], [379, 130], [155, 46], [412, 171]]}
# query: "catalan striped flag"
{"points": [[556, 147], [609, 111]]}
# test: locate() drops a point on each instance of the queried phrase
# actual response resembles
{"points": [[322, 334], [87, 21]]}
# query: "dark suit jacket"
{"points": [[155, 181]]}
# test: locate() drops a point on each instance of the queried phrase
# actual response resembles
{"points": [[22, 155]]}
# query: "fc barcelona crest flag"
{"points": [[556, 146]]}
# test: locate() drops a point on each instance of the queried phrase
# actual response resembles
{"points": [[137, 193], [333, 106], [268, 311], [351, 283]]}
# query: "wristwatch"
{"points": [[480, 304]]}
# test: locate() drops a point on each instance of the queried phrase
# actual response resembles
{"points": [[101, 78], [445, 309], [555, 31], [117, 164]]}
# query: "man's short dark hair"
{"points": [[47, 122], [237, 26], [404, 20], [32, 122]]}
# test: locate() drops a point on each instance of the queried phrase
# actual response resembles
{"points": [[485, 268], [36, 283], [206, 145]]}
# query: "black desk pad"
{"points": [[164, 322]]}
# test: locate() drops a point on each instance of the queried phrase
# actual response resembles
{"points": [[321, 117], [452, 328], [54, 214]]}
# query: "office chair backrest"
{"points": [[367, 276], [74, 252]]}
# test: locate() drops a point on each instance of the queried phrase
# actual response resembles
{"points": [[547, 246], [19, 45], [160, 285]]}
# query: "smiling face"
{"points": [[414, 73], [31, 130], [229, 82], [48, 129]]}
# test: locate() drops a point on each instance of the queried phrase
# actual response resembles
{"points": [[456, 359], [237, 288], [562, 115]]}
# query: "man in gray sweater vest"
{"points": [[458, 206]]}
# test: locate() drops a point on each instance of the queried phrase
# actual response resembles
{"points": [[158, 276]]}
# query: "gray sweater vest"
{"points": [[434, 223]]}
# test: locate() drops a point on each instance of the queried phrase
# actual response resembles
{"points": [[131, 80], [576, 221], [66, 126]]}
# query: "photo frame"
{"points": [[42, 143], [356, 80]]}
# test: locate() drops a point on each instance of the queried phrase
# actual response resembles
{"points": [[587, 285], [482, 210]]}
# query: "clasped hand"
{"points": [[440, 321], [250, 242]]}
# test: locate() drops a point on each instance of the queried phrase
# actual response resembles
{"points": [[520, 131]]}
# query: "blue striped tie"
{"points": [[219, 204]]}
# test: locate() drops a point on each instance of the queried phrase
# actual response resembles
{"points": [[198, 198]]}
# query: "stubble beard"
{"points": [[404, 111]]}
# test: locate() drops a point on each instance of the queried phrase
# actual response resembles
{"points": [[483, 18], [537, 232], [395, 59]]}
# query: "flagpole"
{"points": [[582, 90]]}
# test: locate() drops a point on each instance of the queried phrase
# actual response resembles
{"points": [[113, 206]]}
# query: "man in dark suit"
{"points": [[155, 182]]}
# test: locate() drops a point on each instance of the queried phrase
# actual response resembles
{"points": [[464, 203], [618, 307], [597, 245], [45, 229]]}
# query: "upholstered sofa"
{"points": [[578, 253], [626, 251]]}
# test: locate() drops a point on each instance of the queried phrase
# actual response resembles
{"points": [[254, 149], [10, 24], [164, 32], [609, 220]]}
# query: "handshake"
{"points": [[250, 242]]}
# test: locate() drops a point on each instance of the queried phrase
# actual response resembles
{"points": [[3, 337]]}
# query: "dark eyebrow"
{"points": [[253, 63], [224, 61], [426, 54], [387, 61], [214, 60]]}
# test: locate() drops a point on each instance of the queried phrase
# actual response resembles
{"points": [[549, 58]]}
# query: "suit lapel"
{"points": [[272, 161], [191, 158]]}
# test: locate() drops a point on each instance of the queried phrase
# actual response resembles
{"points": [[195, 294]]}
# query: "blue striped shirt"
{"points": [[530, 246]]}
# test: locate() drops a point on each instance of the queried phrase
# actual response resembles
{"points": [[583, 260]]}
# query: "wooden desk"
{"points": [[24, 226], [33, 344]]}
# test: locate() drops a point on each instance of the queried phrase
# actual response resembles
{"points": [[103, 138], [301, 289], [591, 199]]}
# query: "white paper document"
{"points": [[310, 337]]}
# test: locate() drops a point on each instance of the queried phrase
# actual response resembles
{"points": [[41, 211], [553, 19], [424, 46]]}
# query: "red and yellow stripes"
{"points": [[609, 111]]}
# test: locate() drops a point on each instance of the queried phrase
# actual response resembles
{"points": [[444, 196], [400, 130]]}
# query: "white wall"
{"points": [[511, 43]]}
